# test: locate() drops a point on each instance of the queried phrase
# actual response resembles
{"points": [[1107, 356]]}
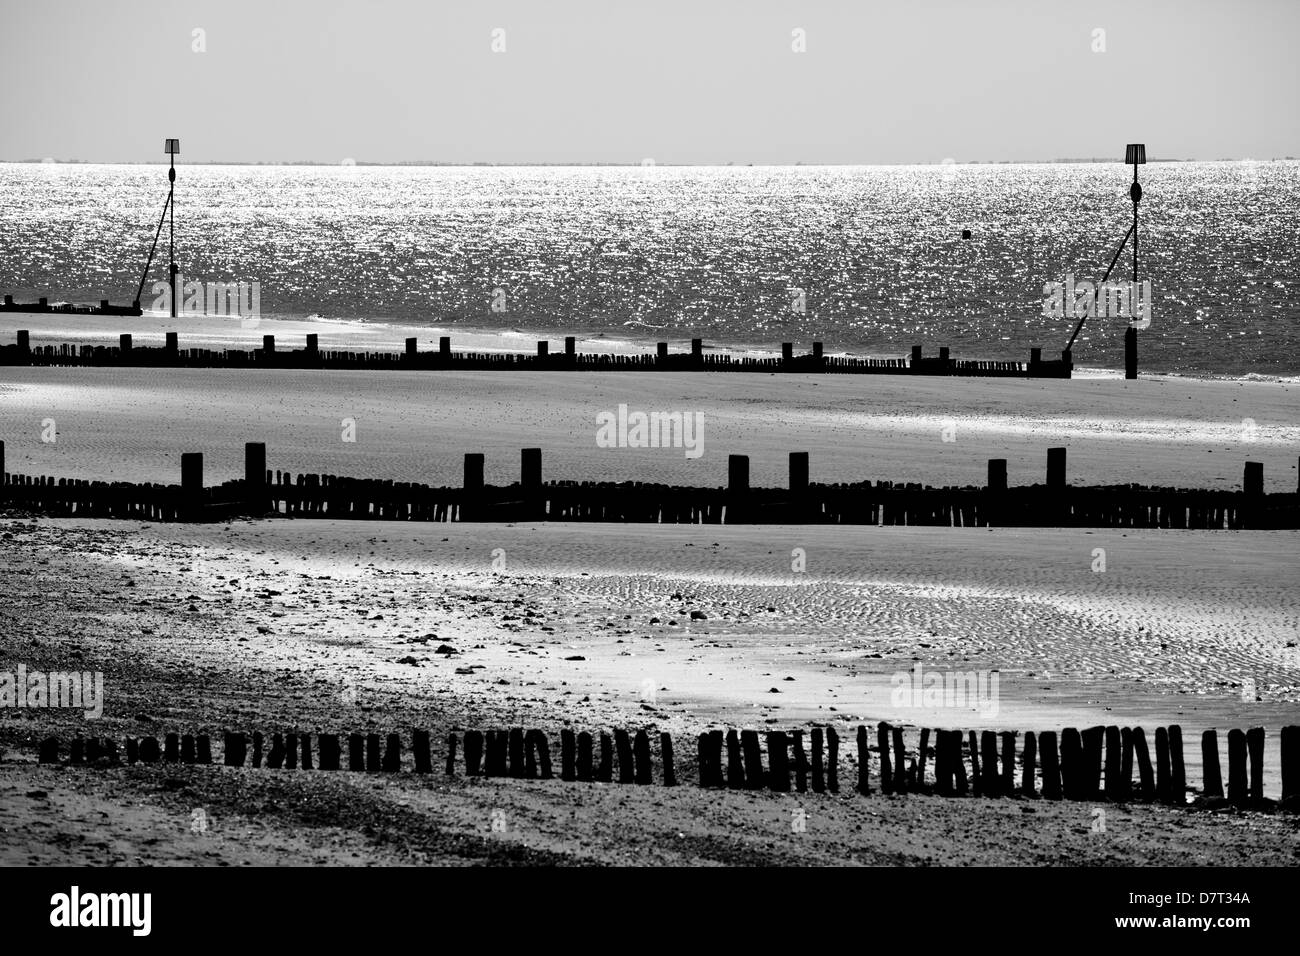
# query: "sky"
{"points": [[673, 81]]}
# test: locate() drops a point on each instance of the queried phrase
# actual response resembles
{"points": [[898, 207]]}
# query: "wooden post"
{"points": [[530, 465], [753, 755], [1093, 740], [1255, 747], [474, 471], [1290, 765], [473, 752], [1146, 779], [644, 772], [393, 754], [411, 348], [373, 761], [313, 342], [800, 762], [234, 749], [1027, 767], [570, 347], [568, 754], [886, 765], [920, 758], [356, 752], [149, 750], [1252, 480], [124, 342], [304, 741], [832, 760], [543, 348], [943, 769], [1130, 353], [778, 761], [818, 762], [268, 345], [275, 759], [798, 473], [976, 777], [173, 345], [623, 746], [997, 480], [864, 782], [49, 752], [330, 752], [1177, 769], [1056, 468], [1051, 765], [516, 740], [257, 748], [900, 762], [1008, 763], [959, 765], [990, 781], [444, 348], [1114, 757], [1213, 787], [172, 748], [255, 475], [1126, 763], [1237, 791], [585, 760], [666, 753], [192, 477], [420, 751], [738, 474], [735, 765], [1162, 765]]}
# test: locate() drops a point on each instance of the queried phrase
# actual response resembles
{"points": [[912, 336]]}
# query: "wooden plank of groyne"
{"points": [[1163, 790], [1051, 765], [1028, 760], [753, 754], [900, 761], [818, 763], [1290, 765], [666, 754], [886, 765], [1093, 740], [778, 761], [1008, 762], [1177, 768], [832, 760], [1255, 748], [735, 764], [800, 762], [990, 780], [1237, 788], [1146, 779]]}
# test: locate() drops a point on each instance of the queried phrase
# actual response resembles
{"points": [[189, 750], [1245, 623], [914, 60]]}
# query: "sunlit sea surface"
{"points": [[869, 260]]}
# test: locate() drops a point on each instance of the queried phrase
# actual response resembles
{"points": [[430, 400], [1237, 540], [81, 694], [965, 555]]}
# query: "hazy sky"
{"points": [[708, 81]]}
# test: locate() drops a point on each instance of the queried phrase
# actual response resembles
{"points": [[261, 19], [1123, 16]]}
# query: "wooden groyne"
{"points": [[266, 493], [128, 355], [1094, 765]]}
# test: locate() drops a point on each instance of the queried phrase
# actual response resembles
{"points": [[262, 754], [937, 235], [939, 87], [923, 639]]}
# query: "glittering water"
{"points": [[867, 259]]}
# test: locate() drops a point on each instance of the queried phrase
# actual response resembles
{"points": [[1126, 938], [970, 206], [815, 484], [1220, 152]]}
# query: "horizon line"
{"points": [[633, 165]]}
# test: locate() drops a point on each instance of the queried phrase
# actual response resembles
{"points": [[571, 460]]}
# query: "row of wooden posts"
{"points": [[1097, 763], [171, 355], [1055, 503]]}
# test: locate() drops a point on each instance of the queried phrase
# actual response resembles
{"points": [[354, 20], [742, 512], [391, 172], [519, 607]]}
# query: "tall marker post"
{"points": [[1135, 154], [173, 146]]}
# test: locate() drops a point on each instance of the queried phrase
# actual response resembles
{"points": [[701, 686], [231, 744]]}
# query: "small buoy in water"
{"points": [[965, 233]]}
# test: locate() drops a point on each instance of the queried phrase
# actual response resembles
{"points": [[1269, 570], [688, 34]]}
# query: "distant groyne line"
{"points": [[265, 493], [126, 355]]}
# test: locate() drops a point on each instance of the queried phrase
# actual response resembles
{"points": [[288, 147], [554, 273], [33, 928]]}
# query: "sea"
{"points": [[869, 260]]}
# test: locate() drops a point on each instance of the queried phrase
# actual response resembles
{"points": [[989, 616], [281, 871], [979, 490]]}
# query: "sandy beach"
{"points": [[334, 626]]}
